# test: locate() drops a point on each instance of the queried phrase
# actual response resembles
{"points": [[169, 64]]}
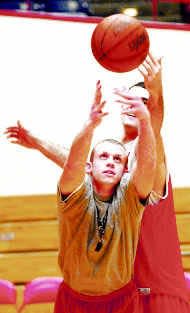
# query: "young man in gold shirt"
{"points": [[100, 216]]}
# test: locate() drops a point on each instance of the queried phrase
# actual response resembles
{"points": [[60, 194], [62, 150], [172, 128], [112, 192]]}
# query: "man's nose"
{"points": [[110, 163]]}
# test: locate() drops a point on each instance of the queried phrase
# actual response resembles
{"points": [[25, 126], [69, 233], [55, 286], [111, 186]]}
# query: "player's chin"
{"points": [[111, 180]]}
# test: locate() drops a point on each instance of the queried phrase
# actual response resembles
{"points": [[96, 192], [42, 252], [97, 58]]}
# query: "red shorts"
{"points": [[162, 303], [124, 300]]}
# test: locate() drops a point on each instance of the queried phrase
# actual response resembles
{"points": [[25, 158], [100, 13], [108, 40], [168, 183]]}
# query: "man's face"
{"points": [[129, 120], [109, 164]]}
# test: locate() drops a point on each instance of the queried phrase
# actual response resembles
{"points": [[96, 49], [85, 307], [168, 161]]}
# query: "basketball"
{"points": [[120, 43]]}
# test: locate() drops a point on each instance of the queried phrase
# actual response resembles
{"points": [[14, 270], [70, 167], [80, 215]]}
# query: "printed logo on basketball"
{"points": [[137, 42]]}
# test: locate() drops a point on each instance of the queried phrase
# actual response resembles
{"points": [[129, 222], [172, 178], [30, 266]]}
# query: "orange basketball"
{"points": [[120, 43]]}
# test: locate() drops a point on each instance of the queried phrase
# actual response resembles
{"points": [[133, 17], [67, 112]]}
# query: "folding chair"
{"points": [[8, 296], [40, 290], [187, 278]]}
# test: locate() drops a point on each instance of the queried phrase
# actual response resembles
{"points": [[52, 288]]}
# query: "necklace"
{"points": [[100, 227]]}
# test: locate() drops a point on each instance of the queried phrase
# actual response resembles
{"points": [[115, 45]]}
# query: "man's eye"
{"points": [[103, 156], [145, 101], [117, 159]]}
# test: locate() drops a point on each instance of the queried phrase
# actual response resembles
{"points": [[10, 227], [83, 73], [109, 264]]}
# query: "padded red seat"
{"points": [[8, 292], [40, 290], [187, 278]]}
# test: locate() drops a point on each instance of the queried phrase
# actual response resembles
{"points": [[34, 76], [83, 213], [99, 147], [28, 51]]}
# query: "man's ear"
{"points": [[126, 169], [88, 167]]}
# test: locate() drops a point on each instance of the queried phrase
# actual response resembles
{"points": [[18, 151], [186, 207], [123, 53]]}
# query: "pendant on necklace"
{"points": [[100, 228], [99, 246]]}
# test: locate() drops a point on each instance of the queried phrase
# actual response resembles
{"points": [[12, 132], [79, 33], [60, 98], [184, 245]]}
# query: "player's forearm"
{"points": [[146, 158], [53, 152], [146, 147], [74, 171], [156, 108], [161, 170]]}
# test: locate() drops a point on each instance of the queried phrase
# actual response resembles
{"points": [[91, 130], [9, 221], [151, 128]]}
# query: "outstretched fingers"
{"points": [[11, 129], [14, 131], [150, 66], [97, 109], [12, 135], [98, 93]]}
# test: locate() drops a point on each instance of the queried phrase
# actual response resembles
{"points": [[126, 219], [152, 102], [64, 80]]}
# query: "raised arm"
{"points": [[20, 135], [143, 172], [74, 171], [151, 69]]}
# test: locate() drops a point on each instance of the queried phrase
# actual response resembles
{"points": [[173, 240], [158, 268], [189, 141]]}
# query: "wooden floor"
{"points": [[29, 240]]}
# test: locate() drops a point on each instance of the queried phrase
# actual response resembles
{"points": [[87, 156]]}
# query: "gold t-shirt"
{"points": [[98, 272]]}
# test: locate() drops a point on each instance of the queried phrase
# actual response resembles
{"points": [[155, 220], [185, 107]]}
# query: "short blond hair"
{"points": [[109, 140]]}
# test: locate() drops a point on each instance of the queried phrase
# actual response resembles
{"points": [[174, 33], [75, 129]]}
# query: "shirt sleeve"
{"points": [[71, 214], [131, 199], [75, 198]]}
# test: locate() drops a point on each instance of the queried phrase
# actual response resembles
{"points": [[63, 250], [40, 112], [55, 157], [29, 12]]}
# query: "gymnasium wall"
{"points": [[47, 80]]}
